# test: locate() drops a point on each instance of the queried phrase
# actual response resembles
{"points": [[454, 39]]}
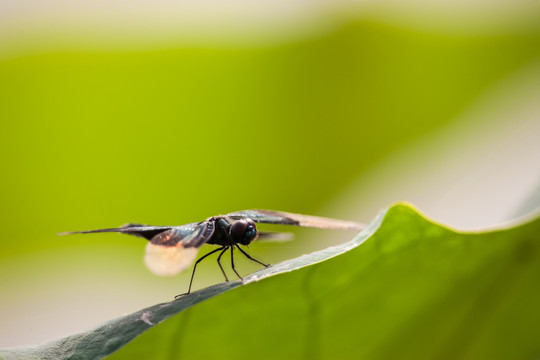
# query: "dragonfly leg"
{"points": [[250, 258], [219, 263], [195, 267], [232, 263]]}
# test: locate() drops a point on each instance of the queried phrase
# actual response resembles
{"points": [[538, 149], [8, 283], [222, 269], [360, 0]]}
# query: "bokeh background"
{"points": [[169, 112]]}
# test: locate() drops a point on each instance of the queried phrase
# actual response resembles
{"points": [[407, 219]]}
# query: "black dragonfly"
{"points": [[172, 249]]}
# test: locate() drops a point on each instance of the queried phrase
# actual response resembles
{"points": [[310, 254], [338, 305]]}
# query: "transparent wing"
{"points": [[204, 232], [285, 218], [274, 236], [168, 260], [191, 235], [145, 231], [174, 250], [171, 248]]}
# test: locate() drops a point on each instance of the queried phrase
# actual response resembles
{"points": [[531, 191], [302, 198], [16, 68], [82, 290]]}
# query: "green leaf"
{"points": [[415, 290]]}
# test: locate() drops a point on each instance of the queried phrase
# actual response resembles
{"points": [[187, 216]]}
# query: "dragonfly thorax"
{"points": [[228, 232]]}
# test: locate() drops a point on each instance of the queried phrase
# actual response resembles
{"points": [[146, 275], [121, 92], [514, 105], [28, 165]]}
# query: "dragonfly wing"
{"points": [[168, 260], [285, 218], [174, 250], [205, 231], [267, 236], [145, 231]]}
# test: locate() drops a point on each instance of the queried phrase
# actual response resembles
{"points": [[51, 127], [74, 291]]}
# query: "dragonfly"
{"points": [[172, 249]]}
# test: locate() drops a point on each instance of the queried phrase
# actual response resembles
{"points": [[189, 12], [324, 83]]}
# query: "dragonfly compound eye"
{"points": [[244, 231]]}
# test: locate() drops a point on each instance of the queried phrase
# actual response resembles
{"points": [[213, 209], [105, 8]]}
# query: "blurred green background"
{"points": [[94, 136]]}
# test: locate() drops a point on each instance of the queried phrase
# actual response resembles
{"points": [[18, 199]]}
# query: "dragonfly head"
{"points": [[243, 231]]}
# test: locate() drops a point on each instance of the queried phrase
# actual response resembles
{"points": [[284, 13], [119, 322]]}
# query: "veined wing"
{"points": [[174, 250], [267, 236], [168, 260], [171, 248], [145, 231], [285, 218]]}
